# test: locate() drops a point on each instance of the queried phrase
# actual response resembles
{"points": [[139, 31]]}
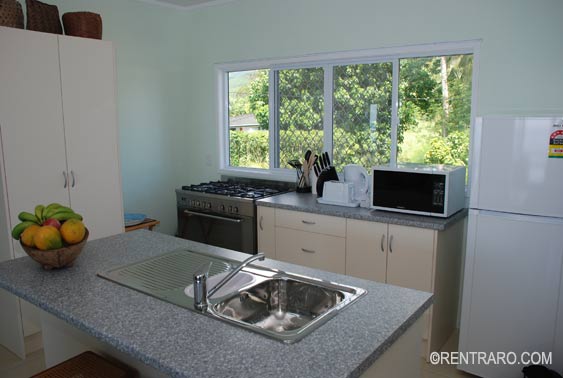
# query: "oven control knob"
{"points": [[230, 209], [197, 203], [208, 205], [222, 207], [192, 203], [235, 210]]}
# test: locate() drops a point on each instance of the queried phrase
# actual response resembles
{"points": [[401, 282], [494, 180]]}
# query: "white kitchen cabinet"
{"points": [[58, 131], [415, 258], [410, 257], [266, 231], [366, 250]]}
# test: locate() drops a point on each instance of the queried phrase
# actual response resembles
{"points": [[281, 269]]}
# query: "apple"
{"points": [[52, 222]]}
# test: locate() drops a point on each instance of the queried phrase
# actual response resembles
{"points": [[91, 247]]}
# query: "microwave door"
{"points": [[409, 191]]}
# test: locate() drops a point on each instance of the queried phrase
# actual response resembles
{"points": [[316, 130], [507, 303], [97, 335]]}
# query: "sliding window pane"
{"points": [[300, 112], [435, 109], [362, 114], [248, 119]]}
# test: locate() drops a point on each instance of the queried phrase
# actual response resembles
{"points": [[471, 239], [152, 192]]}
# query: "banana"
{"points": [[63, 216], [19, 228], [28, 217], [39, 213], [54, 208]]}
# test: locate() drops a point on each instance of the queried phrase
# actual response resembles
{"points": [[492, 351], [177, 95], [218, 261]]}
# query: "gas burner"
{"points": [[232, 189]]}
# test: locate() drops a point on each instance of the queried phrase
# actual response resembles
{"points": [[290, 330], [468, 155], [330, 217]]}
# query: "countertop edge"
{"points": [[370, 360]]}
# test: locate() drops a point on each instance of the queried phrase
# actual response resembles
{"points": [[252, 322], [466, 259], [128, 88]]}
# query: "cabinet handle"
{"points": [[307, 250], [260, 223], [308, 222], [391, 244], [382, 241], [66, 180], [73, 179]]}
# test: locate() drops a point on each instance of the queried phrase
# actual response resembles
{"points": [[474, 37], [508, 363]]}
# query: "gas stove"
{"points": [[223, 213]]}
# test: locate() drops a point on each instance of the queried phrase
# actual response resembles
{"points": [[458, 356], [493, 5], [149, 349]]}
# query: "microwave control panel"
{"points": [[438, 193]]}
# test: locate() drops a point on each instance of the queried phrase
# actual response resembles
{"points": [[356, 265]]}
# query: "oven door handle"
{"points": [[233, 220]]}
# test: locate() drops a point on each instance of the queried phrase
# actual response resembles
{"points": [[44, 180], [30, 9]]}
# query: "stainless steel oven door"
{"points": [[237, 233]]}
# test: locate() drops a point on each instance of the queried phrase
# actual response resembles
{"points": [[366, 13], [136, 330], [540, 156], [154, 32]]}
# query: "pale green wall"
{"points": [[521, 68], [166, 79], [152, 81]]}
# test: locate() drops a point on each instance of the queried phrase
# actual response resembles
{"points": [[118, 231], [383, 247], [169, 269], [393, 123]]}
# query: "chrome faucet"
{"points": [[200, 281]]}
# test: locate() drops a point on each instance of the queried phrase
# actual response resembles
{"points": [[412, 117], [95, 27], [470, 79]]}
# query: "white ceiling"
{"points": [[186, 4]]}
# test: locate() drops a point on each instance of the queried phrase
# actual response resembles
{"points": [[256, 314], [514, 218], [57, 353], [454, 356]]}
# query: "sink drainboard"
{"points": [[165, 276]]}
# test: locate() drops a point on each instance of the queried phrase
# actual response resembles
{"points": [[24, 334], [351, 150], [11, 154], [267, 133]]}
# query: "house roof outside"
{"points": [[244, 120]]}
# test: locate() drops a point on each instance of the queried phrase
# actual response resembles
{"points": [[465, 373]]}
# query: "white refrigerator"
{"points": [[512, 291]]}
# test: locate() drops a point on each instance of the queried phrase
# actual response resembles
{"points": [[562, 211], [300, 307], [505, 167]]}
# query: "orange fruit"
{"points": [[73, 231], [28, 235], [47, 237]]}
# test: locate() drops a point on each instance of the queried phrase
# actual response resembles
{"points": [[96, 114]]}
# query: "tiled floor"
{"points": [[12, 367]]}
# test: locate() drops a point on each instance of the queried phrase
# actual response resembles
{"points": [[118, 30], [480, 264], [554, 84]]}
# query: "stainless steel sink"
{"points": [[278, 304], [286, 307]]}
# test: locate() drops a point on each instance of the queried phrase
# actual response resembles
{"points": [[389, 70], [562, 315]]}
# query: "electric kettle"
{"points": [[359, 176]]}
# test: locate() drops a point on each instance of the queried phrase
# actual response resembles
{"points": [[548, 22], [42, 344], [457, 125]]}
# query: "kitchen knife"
{"points": [[322, 161], [317, 169], [326, 159]]}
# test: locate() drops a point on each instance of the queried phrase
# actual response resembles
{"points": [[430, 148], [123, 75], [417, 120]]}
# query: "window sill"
{"points": [[287, 175]]}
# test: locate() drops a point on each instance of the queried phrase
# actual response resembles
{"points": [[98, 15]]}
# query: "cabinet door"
{"points": [[89, 98], [410, 257], [267, 231], [309, 249], [31, 122], [32, 144], [366, 249]]}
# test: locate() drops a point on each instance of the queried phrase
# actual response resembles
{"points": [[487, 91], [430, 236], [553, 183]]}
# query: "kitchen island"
{"points": [[83, 311]]}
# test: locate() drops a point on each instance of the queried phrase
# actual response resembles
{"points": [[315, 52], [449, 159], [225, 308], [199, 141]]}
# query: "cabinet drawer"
{"points": [[312, 250], [322, 224]]}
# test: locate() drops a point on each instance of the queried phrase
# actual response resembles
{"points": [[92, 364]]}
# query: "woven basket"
{"points": [[56, 258], [43, 17], [83, 24], [11, 14]]}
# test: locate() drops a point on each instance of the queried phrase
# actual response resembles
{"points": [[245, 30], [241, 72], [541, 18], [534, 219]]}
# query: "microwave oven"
{"points": [[435, 190]]}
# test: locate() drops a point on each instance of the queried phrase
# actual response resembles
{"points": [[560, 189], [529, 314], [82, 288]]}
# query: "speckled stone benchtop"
{"points": [[307, 202], [182, 343]]}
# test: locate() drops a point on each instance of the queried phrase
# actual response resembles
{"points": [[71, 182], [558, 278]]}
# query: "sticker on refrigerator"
{"points": [[556, 143]]}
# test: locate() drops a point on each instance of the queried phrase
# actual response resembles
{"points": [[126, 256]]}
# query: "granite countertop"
{"points": [[182, 343], [307, 202]]}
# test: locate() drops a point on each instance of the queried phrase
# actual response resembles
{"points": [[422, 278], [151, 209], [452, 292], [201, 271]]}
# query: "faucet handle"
{"points": [[200, 286]]}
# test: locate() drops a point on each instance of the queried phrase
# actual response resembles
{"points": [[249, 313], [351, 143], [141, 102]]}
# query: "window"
{"points": [[376, 110]]}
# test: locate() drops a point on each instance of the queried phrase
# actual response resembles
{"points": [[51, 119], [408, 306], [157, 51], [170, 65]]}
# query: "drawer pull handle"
{"points": [[260, 223], [66, 179], [391, 244], [308, 222], [307, 250], [382, 241]]}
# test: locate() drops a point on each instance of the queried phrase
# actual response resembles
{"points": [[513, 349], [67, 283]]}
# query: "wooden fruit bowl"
{"points": [[56, 258]]}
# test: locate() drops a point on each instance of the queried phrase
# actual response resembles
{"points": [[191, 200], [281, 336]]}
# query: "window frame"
{"points": [[328, 61]]}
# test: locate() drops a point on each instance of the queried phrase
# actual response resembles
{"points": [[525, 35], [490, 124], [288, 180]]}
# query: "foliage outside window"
{"points": [[432, 125]]}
